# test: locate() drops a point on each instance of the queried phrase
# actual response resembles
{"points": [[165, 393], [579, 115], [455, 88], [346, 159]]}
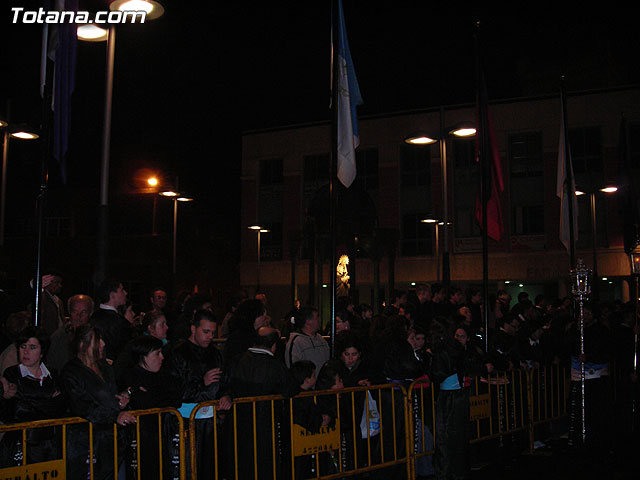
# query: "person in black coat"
{"points": [[452, 364], [151, 387], [115, 330], [37, 397], [89, 386], [196, 367], [257, 373]]}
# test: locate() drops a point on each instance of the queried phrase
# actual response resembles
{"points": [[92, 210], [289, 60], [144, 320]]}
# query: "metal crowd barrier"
{"points": [[59, 467], [267, 437], [500, 404], [373, 428]]}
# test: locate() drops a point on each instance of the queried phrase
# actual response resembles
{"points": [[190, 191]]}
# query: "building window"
{"points": [[271, 242], [270, 208], [586, 152], [588, 168], [466, 180], [270, 172], [416, 236], [367, 169], [526, 184], [415, 166]]}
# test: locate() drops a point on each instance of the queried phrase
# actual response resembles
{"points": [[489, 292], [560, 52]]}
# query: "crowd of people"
{"points": [[100, 360]]}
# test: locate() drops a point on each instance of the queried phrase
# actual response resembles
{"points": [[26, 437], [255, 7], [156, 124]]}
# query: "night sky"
{"points": [[187, 84]]}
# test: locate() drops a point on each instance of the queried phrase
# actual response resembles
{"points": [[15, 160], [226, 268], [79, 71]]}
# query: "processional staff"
{"points": [[581, 289]]}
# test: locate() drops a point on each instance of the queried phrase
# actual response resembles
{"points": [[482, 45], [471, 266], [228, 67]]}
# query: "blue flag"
{"points": [[348, 96]]}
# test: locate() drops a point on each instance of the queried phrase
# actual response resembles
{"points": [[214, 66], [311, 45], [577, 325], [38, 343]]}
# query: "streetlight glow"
{"points": [[91, 32], [152, 8], [22, 135], [420, 140], [152, 181], [610, 189], [464, 132], [169, 193]]}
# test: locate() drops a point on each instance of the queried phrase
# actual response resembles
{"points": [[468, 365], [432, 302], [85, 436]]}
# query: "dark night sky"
{"points": [[187, 84]]}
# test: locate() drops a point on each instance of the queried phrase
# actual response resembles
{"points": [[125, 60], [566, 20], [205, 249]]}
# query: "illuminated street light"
{"points": [[20, 132], [90, 32], [421, 138], [592, 203], [152, 181], [259, 229], [152, 8]]}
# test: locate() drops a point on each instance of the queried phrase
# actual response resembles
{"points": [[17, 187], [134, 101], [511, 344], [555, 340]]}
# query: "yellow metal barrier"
{"points": [[383, 426], [59, 467], [503, 403], [267, 436]]}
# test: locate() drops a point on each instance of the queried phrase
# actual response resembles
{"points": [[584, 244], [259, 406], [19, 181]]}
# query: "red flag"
{"points": [[491, 169]]}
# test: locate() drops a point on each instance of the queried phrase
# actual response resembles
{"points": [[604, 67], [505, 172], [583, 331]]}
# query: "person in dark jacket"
{"points": [[151, 387], [452, 363], [89, 386], [37, 397], [257, 373], [196, 366], [247, 319], [115, 330]]}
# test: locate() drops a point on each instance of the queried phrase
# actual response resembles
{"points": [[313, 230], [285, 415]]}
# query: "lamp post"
{"points": [[10, 131], [594, 228], [431, 220], [91, 33], [461, 130], [176, 197], [634, 258], [259, 230]]}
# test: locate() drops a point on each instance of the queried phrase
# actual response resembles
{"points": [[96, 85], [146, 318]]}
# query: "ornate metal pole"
{"points": [[581, 289]]}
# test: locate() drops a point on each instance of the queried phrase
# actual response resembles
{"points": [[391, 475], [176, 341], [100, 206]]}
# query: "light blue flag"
{"points": [[348, 96]]}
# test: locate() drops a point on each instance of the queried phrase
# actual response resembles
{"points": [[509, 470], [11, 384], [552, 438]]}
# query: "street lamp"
{"points": [[431, 220], [19, 132], [176, 197], [460, 130], [91, 34], [259, 230], [594, 230]]}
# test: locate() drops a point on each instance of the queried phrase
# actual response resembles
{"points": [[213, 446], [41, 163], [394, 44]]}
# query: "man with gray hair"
{"points": [[80, 308]]}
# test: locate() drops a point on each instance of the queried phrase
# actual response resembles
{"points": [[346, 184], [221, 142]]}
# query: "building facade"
{"points": [[285, 173]]}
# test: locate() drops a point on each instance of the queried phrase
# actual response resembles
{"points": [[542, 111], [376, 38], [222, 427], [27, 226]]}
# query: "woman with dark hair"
{"points": [[37, 397], [452, 363], [154, 324], [355, 371], [89, 385], [150, 387], [248, 318]]}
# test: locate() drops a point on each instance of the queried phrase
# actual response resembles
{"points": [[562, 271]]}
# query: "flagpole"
{"points": [[335, 46], [47, 95], [568, 175], [484, 172]]}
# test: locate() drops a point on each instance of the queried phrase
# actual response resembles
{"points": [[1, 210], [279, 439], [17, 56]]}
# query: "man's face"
{"points": [[313, 323], [159, 299], [457, 298], [505, 299], [476, 299], [439, 296], [424, 295], [55, 286], [119, 297], [79, 313], [202, 335]]}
